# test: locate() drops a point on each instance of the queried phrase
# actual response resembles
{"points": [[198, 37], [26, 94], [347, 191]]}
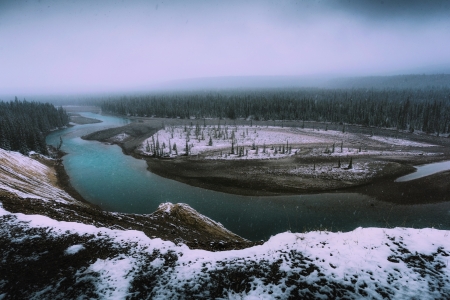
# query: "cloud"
{"points": [[413, 10], [79, 46]]}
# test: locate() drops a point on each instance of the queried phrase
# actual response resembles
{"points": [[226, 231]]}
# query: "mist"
{"points": [[75, 47]]}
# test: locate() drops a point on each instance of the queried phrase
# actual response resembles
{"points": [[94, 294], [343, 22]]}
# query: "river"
{"points": [[425, 170], [103, 175]]}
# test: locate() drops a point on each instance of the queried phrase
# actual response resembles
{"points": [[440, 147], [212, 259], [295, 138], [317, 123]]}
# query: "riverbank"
{"points": [[40, 186], [286, 160], [80, 120], [128, 137]]}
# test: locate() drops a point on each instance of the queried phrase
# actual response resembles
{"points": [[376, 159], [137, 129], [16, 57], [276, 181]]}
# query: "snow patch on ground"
{"points": [[74, 249], [228, 142], [333, 172], [114, 277], [258, 142], [166, 207], [28, 178], [119, 138], [400, 142], [278, 141], [374, 263]]}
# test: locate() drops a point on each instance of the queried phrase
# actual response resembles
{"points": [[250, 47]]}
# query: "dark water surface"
{"points": [[105, 176]]}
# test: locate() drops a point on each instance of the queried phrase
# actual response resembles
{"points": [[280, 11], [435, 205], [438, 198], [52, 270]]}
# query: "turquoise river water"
{"points": [[105, 176]]}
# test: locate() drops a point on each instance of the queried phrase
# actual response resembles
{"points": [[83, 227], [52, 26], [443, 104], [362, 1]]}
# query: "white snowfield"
{"points": [[264, 142], [28, 178], [394, 141], [217, 139], [366, 263]]}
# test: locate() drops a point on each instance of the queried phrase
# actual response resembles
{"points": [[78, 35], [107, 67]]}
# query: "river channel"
{"points": [[103, 175]]}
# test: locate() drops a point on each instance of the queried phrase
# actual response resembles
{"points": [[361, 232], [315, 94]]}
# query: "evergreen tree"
{"points": [[23, 125]]}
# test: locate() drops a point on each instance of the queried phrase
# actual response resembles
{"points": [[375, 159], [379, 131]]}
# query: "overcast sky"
{"points": [[78, 46]]}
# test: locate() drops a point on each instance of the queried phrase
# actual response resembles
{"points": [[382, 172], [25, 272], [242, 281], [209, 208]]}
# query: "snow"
{"points": [[221, 137], [114, 276], [74, 249], [266, 142], [166, 207], [28, 178], [401, 262], [399, 142], [119, 137]]}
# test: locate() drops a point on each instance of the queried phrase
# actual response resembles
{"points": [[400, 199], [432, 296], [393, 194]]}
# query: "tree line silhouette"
{"points": [[426, 110], [23, 125]]}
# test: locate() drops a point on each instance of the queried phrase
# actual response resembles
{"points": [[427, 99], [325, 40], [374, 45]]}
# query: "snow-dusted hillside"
{"points": [[76, 259], [28, 178]]}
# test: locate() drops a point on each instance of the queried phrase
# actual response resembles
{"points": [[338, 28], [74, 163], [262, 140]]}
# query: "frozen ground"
{"points": [[264, 142], [399, 142], [83, 260]]}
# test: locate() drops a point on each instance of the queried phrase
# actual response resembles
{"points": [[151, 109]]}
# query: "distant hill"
{"points": [[392, 82], [244, 82], [271, 82]]}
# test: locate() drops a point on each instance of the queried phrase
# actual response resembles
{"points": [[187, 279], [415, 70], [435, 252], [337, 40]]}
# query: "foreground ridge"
{"points": [[45, 258]]}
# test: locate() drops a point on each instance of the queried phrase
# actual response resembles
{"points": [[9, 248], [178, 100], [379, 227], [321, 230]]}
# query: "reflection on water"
{"points": [[426, 170], [104, 176]]}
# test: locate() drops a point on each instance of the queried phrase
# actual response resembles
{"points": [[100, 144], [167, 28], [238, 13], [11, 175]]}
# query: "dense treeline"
{"points": [[421, 109], [23, 125]]}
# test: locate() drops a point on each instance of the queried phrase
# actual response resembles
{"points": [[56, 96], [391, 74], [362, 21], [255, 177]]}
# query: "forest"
{"points": [[426, 110], [23, 125]]}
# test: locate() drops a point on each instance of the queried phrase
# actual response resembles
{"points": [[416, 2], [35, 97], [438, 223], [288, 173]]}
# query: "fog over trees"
{"points": [[23, 125], [426, 110]]}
